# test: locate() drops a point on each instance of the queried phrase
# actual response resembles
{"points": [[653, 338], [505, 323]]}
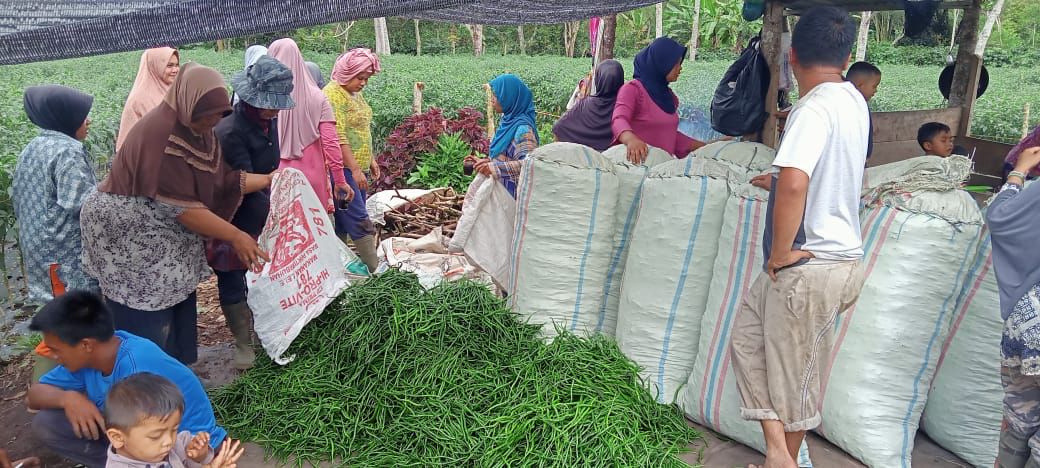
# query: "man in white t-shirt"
{"points": [[784, 331]]}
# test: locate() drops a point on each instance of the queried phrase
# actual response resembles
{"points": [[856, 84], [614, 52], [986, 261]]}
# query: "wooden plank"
{"points": [[967, 37], [903, 125], [975, 65], [989, 155], [772, 29], [893, 151]]}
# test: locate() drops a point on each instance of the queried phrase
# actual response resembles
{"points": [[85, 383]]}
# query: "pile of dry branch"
{"points": [[418, 217]]}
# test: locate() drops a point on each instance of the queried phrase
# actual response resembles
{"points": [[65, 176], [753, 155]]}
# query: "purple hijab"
{"points": [[588, 123], [1031, 140]]}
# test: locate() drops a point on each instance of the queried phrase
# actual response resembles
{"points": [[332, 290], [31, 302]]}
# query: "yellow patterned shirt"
{"points": [[353, 122]]}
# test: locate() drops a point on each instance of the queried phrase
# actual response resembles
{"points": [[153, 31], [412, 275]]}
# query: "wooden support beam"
{"points": [[772, 29], [967, 37]]}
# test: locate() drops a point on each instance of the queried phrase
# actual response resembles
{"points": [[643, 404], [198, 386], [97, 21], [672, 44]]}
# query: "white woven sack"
{"points": [[918, 250], [747, 158], [711, 396], [669, 269], [485, 229], [965, 405], [566, 204], [630, 184]]}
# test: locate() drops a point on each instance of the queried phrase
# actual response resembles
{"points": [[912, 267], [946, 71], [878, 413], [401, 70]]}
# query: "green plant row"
{"points": [[393, 375]]}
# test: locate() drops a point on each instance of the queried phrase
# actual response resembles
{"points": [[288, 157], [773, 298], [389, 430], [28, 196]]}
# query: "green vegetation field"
{"points": [[456, 81]]}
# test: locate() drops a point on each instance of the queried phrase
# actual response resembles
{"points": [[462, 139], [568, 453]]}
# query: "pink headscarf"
{"points": [[298, 127], [353, 63], [148, 91]]}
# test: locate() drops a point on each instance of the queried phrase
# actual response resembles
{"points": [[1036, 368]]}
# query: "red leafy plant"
{"points": [[418, 134]]}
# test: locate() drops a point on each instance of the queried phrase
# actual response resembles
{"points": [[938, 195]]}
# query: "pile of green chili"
{"points": [[393, 375]]}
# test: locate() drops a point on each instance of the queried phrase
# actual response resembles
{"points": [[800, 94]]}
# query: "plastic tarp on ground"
{"points": [[747, 158], [919, 247], [669, 269], [566, 202], [630, 186], [711, 396], [965, 406]]}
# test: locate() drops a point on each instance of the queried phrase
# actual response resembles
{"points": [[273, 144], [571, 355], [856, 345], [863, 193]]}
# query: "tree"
{"points": [[863, 36], [695, 30], [418, 39], [570, 36], [987, 29], [606, 48], [343, 29], [520, 36], [476, 32], [659, 19], [382, 37]]}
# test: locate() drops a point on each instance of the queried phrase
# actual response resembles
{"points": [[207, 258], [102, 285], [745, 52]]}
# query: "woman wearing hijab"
{"points": [[315, 72], [155, 74], [51, 179], [1013, 225], [253, 53], [307, 133], [249, 142], [1031, 140], [588, 122], [646, 112], [516, 136], [169, 189], [354, 127]]}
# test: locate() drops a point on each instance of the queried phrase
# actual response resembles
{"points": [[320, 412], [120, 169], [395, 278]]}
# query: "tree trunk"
{"points": [[987, 29], [570, 37], [606, 49], [520, 36], [476, 32], [382, 37], [220, 45], [953, 31], [659, 19], [864, 36], [418, 39], [695, 31], [344, 30], [967, 38]]}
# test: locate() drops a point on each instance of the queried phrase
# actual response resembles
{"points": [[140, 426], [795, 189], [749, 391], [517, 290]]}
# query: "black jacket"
{"points": [[245, 147]]}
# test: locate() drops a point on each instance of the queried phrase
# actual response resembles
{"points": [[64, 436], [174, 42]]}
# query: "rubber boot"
{"points": [[240, 322], [366, 249]]}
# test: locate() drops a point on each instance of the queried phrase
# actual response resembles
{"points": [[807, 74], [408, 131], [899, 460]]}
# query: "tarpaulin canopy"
{"points": [[37, 30]]}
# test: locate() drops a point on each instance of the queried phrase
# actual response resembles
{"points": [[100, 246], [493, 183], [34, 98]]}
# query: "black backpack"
{"points": [[738, 107]]}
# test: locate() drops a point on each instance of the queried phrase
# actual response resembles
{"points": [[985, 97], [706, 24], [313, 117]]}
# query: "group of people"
{"points": [[189, 191]]}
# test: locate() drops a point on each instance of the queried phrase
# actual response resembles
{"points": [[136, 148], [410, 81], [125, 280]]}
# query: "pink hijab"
{"points": [[298, 127], [148, 91], [353, 63]]}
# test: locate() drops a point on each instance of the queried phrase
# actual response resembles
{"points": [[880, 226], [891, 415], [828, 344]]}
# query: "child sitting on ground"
{"points": [[935, 139], [142, 414], [78, 329], [866, 77]]}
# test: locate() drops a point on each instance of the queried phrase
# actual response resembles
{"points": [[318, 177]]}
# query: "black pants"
{"points": [[231, 285], [172, 328]]}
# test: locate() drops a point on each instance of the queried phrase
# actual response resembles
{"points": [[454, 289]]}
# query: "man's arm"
{"points": [[83, 415], [788, 211]]}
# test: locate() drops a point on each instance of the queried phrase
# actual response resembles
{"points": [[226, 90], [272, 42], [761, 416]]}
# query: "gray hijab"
{"points": [[315, 72]]}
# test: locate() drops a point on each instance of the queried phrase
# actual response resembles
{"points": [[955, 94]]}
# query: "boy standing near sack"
{"points": [[783, 333]]}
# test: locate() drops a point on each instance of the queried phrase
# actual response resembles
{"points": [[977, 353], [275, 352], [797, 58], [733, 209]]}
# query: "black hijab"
{"points": [[588, 123], [58, 108]]}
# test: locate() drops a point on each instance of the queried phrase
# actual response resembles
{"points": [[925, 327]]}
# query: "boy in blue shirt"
{"points": [[94, 356]]}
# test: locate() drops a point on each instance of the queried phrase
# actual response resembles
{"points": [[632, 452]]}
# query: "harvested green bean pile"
{"points": [[392, 375]]}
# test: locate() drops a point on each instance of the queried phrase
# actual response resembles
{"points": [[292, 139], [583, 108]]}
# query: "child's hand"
{"points": [[198, 448], [230, 452]]}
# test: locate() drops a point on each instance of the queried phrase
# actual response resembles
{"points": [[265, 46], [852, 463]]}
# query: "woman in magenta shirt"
{"points": [[646, 112]]}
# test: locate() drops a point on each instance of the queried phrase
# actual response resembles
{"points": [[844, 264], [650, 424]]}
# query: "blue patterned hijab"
{"points": [[517, 109], [652, 66]]}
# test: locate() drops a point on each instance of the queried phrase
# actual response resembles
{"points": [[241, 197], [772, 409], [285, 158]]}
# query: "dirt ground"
{"points": [[214, 369]]}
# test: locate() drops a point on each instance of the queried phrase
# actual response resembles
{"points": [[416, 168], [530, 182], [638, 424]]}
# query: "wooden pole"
{"points": [[1025, 122], [659, 19], [417, 99], [968, 68], [490, 109], [772, 30]]}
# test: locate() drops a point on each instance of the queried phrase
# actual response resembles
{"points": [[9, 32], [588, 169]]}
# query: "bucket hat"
{"points": [[265, 84]]}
